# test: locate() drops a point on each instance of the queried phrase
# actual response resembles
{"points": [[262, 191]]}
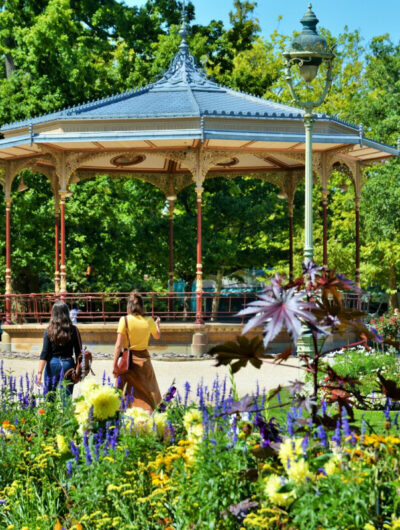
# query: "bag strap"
{"points": [[79, 339], [127, 332]]}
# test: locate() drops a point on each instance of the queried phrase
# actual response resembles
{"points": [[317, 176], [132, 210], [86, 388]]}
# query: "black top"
{"points": [[50, 349]]}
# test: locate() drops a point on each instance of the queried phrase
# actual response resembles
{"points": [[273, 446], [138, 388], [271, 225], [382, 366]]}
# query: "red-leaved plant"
{"points": [[312, 305]]}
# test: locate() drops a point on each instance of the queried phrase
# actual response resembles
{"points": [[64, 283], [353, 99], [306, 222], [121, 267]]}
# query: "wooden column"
{"points": [[325, 227], [63, 280], [199, 265], [358, 261], [57, 250], [291, 252], [8, 261]]}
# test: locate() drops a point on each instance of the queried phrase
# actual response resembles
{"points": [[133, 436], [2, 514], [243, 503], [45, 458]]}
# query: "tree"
{"points": [[381, 223]]}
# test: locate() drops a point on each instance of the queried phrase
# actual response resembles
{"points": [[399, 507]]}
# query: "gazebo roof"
{"points": [[183, 91], [185, 109]]}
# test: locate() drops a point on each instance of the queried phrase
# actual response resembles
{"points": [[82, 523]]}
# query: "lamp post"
{"points": [[308, 50]]}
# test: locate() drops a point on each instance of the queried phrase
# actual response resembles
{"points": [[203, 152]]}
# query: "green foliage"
{"points": [[364, 365], [58, 53]]}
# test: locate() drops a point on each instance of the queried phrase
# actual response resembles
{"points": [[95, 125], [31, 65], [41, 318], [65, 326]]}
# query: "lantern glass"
{"points": [[308, 72]]}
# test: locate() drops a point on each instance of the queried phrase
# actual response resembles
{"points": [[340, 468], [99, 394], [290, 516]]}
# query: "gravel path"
{"points": [[269, 376]]}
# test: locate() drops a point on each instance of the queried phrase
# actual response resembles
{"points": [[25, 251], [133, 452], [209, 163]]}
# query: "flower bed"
{"points": [[362, 364], [203, 460]]}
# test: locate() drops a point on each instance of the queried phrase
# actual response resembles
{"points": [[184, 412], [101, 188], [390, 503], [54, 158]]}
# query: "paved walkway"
{"points": [[269, 376]]}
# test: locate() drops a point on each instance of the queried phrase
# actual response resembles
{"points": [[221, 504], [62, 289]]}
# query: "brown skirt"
{"points": [[141, 382]]}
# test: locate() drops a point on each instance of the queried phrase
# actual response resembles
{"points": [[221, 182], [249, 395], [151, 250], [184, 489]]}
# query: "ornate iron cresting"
{"points": [[308, 50]]}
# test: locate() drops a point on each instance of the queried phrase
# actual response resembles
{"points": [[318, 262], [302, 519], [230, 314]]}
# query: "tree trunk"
{"points": [[10, 65], [393, 301]]}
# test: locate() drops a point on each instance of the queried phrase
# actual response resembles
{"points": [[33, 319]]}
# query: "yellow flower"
{"points": [[369, 526], [25, 528], [192, 416], [299, 471], [88, 386], [290, 449], [105, 401], [136, 419], [195, 432], [273, 484], [82, 412], [62, 444], [333, 465], [160, 421]]}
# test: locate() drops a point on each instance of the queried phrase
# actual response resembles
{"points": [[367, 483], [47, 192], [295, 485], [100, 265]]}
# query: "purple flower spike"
{"points": [[69, 468], [278, 308], [337, 436]]}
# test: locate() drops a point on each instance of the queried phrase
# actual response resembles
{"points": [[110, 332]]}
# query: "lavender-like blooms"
{"points": [[223, 394], [88, 454], [337, 436], [104, 378], [268, 431], [69, 468], [279, 308], [346, 427], [187, 392], [322, 436], [324, 407], [169, 396], [396, 420], [304, 445], [235, 430], [170, 435], [97, 444], [75, 451], [290, 423]]}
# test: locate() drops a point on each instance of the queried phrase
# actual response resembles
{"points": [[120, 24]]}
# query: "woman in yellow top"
{"points": [[140, 380]]}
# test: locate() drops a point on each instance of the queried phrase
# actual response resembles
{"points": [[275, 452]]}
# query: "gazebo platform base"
{"points": [[181, 337]]}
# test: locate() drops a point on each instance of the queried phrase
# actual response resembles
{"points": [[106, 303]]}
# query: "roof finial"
{"points": [[183, 31]]}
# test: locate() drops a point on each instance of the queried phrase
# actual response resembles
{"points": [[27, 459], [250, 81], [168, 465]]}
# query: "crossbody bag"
{"points": [[124, 360]]}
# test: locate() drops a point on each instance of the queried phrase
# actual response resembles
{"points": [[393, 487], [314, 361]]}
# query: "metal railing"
{"points": [[109, 307], [172, 307]]}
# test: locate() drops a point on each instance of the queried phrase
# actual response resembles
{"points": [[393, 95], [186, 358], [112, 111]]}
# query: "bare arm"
{"points": [[42, 364], [117, 349], [157, 334]]}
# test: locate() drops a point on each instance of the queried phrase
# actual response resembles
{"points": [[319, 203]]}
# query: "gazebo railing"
{"points": [[109, 307]]}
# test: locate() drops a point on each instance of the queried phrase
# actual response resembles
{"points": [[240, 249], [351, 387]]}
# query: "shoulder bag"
{"points": [[83, 363], [123, 362]]}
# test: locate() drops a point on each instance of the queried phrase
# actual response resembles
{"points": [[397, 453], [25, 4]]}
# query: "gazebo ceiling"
{"points": [[184, 110]]}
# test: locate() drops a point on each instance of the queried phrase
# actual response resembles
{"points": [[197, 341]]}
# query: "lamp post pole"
{"points": [[308, 50], [308, 237]]}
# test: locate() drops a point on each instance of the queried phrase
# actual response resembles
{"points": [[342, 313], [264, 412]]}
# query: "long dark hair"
{"points": [[60, 327], [135, 304]]}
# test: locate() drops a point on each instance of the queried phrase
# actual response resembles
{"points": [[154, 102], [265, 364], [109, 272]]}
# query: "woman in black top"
{"points": [[60, 340]]}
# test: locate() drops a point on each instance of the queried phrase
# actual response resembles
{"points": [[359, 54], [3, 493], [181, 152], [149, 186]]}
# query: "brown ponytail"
{"points": [[135, 304]]}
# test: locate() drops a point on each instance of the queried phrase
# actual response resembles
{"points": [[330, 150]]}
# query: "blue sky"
{"points": [[371, 17]]}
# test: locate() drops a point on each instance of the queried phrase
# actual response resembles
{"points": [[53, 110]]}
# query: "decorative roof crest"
{"points": [[183, 69]]}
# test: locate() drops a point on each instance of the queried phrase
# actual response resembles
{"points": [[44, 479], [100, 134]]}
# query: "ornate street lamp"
{"points": [[308, 51]]}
